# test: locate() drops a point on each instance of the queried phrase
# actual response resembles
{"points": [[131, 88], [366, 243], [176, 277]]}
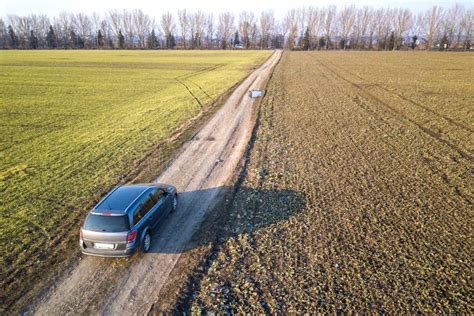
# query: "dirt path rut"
{"points": [[200, 173]]}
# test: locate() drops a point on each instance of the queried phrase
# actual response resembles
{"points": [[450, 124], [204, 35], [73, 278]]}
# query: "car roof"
{"points": [[121, 198]]}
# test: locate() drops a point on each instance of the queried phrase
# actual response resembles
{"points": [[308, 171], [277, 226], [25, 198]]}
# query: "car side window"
{"points": [[145, 206], [137, 216], [148, 205], [158, 195]]}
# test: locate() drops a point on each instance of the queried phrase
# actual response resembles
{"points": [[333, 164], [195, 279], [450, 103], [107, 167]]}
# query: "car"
{"points": [[125, 220]]}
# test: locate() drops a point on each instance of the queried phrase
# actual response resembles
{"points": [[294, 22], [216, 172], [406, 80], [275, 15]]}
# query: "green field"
{"points": [[73, 123]]}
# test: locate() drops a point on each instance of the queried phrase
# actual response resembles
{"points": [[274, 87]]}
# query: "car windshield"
{"points": [[111, 224]]}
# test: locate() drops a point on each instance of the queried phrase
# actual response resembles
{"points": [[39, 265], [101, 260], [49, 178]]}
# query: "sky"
{"points": [[157, 7]]}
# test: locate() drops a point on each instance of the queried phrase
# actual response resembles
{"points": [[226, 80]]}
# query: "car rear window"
{"points": [[111, 224]]}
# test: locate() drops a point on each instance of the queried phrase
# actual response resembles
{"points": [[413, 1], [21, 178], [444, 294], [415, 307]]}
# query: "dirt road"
{"points": [[200, 172]]}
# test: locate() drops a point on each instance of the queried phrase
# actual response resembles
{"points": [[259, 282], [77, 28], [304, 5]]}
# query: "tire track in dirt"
{"points": [[428, 131], [450, 120], [181, 79], [202, 90], [455, 187], [189, 91], [435, 169]]}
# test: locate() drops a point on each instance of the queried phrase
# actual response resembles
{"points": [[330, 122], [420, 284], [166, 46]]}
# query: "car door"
{"points": [[168, 202], [145, 214], [161, 197]]}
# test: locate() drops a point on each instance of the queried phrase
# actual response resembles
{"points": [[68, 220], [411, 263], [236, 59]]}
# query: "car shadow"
{"points": [[218, 214]]}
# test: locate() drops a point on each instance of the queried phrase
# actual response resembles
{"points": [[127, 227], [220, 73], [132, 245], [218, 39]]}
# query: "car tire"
{"points": [[146, 243], [175, 203]]}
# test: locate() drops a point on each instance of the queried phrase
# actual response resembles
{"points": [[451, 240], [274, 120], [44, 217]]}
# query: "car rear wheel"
{"points": [[175, 203], [146, 244]]}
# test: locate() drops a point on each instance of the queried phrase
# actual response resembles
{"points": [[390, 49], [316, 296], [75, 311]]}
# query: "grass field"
{"points": [[379, 145], [76, 123]]}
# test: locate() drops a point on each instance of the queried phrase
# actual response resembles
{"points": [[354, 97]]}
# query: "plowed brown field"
{"points": [[375, 151]]}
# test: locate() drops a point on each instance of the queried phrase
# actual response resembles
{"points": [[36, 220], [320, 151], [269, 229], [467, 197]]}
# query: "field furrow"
{"points": [[381, 211]]}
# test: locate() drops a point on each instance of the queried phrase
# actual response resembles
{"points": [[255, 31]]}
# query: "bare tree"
{"points": [[197, 22], [209, 30], [168, 27], [361, 25], [431, 22], [382, 27], [83, 25], [22, 27], [63, 29], [115, 22], [329, 16], [345, 19], [3, 35], [39, 24], [225, 28], [254, 34], [302, 23], [290, 23], [183, 25], [277, 39], [313, 24], [142, 23], [402, 23], [321, 26], [246, 27], [451, 23], [267, 21], [466, 26], [106, 32], [95, 21], [372, 27], [128, 28]]}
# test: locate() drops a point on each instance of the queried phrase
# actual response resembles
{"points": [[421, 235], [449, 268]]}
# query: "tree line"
{"points": [[306, 28]]}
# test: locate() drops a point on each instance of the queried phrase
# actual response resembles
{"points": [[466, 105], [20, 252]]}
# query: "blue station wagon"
{"points": [[124, 221]]}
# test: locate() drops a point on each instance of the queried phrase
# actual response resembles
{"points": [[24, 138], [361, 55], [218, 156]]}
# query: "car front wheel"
{"points": [[146, 244]]}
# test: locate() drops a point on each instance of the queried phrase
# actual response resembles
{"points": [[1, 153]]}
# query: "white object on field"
{"points": [[255, 93]]}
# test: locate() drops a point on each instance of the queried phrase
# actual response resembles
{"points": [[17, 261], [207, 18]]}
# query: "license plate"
{"points": [[98, 245]]}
